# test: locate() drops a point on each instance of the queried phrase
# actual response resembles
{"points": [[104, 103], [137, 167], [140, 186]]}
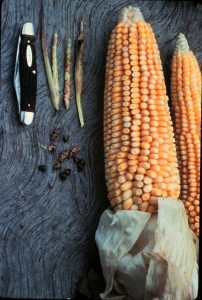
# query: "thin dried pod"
{"points": [[67, 74], [55, 67], [79, 74], [52, 89]]}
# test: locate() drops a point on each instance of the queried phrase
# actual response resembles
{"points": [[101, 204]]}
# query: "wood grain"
{"points": [[47, 226]]}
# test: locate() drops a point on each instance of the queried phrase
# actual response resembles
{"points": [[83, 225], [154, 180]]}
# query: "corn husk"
{"points": [[51, 84], [79, 74], [55, 67], [148, 256]]}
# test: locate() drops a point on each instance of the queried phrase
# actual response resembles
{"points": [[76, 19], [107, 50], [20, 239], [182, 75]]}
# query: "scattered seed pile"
{"points": [[66, 154]]}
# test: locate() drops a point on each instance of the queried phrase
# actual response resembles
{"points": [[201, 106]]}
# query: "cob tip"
{"points": [[181, 44], [131, 15]]}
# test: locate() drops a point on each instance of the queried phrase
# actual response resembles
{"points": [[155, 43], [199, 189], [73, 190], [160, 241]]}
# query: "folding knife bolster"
{"points": [[28, 72]]}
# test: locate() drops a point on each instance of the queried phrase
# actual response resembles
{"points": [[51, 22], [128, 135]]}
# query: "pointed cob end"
{"points": [[131, 15], [181, 44]]}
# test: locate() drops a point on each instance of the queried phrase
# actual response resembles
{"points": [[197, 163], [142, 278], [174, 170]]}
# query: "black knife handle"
{"points": [[28, 74]]}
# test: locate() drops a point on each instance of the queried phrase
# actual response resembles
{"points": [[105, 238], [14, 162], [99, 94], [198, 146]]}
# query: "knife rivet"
{"points": [[28, 104], [28, 41], [34, 72]]}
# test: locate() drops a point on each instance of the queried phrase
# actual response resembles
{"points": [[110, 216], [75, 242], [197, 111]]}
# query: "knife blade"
{"points": [[25, 74]]}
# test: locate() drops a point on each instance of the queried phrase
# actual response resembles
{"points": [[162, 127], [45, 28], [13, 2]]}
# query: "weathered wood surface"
{"points": [[46, 244]]}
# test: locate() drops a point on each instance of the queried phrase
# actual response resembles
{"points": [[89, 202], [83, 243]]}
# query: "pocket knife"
{"points": [[25, 74]]}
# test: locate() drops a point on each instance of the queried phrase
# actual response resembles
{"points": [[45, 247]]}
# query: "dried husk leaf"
{"points": [[79, 75], [55, 67], [148, 256], [51, 85]]}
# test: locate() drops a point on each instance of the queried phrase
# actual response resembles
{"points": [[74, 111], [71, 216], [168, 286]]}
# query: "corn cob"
{"points": [[140, 154], [186, 109]]}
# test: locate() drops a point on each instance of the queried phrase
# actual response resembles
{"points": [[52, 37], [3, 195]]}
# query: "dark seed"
{"points": [[65, 138], [63, 175], [79, 167], [51, 148], [56, 131], [76, 159], [75, 150], [53, 137], [42, 168], [80, 163], [54, 134], [71, 155], [63, 155], [57, 166], [67, 172]]}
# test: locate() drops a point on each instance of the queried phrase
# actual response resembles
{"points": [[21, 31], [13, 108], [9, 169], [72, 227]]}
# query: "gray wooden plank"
{"points": [[46, 245]]}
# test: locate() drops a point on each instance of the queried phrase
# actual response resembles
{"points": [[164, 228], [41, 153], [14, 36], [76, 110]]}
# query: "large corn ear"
{"points": [[140, 153], [186, 107]]}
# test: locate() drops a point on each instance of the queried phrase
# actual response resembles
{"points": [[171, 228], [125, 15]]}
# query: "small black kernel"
{"points": [[76, 159], [63, 175], [80, 163], [42, 168], [54, 134], [65, 138], [67, 172]]}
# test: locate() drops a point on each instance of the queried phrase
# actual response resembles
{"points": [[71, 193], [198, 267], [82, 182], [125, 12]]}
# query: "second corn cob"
{"points": [[186, 107], [140, 153]]}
